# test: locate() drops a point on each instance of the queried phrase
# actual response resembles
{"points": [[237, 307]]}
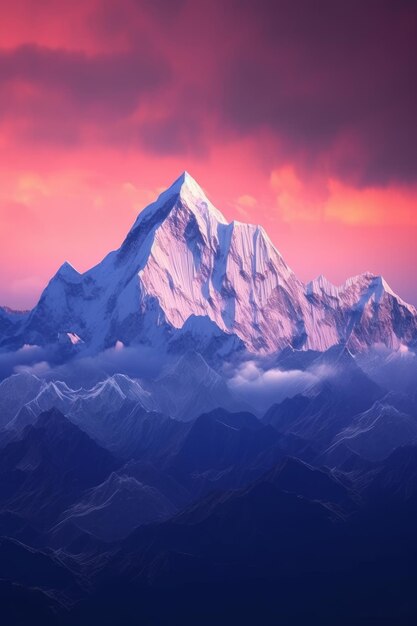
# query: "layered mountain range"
{"points": [[264, 472], [215, 519], [186, 278]]}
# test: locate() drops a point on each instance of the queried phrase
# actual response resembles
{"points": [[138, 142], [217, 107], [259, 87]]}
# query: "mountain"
{"points": [[23, 605], [34, 568], [375, 433], [295, 546], [191, 387], [368, 311], [396, 371], [135, 495], [94, 403], [394, 480], [51, 395], [48, 468], [112, 510], [229, 536], [343, 392], [229, 557], [219, 448], [10, 319], [294, 476], [185, 276], [116, 410], [15, 392], [219, 440], [165, 499]]}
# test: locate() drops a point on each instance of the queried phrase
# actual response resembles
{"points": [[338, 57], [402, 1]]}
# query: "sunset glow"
{"points": [[302, 125]]}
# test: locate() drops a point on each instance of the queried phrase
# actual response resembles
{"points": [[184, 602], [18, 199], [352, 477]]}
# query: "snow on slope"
{"points": [[366, 311], [181, 260]]}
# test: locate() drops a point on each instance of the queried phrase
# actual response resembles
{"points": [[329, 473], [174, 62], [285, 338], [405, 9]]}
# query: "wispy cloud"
{"points": [[263, 387]]}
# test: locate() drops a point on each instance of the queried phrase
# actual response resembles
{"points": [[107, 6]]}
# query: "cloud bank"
{"points": [[263, 387]]}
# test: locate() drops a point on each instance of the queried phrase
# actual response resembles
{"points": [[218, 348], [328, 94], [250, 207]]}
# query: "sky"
{"points": [[297, 115]]}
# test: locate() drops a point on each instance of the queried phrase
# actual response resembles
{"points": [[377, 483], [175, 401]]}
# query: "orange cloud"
{"points": [[296, 199], [332, 200], [244, 204], [77, 204], [388, 206]]}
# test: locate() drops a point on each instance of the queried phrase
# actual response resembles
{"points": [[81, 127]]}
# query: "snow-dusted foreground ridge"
{"points": [[184, 276]]}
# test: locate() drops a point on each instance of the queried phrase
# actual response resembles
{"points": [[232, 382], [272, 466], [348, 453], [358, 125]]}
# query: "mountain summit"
{"points": [[185, 276], [189, 191]]}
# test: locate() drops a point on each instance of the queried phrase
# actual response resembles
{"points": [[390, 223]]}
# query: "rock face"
{"points": [[182, 266]]}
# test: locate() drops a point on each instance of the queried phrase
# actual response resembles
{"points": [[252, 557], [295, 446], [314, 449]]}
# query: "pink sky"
{"points": [[283, 118]]}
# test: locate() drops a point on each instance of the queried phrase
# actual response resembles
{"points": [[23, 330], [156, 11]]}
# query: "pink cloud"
{"points": [[309, 113]]}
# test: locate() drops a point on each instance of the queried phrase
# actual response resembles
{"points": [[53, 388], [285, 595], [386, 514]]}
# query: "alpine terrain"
{"points": [[185, 276], [191, 435]]}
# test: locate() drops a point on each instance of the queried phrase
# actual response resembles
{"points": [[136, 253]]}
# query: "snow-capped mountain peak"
{"points": [[67, 272], [371, 288], [322, 286], [186, 192], [182, 261]]}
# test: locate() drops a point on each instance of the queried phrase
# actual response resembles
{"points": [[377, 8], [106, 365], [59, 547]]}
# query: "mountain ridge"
{"points": [[182, 260]]}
